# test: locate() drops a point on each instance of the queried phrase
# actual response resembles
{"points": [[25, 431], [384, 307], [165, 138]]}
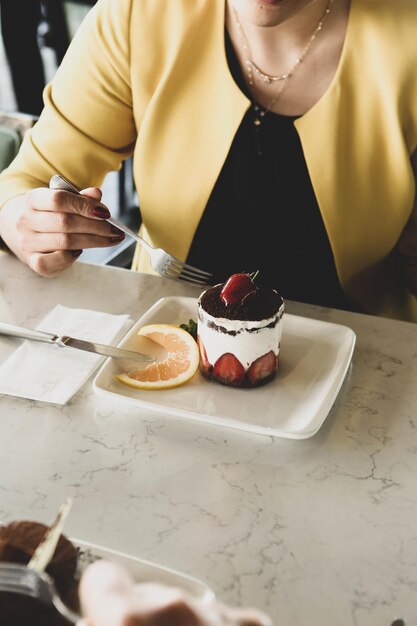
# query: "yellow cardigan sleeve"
{"points": [[86, 128]]}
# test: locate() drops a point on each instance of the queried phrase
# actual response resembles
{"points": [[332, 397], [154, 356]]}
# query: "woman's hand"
{"points": [[110, 598], [48, 229]]}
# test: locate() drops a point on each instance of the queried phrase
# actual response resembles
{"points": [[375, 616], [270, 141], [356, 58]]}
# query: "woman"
{"points": [[277, 135]]}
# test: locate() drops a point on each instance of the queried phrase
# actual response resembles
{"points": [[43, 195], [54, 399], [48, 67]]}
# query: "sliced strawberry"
{"points": [[238, 287], [204, 362], [263, 367], [229, 370]]}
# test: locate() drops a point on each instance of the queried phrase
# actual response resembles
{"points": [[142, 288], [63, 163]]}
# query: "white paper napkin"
{"points": [[39, 371]]}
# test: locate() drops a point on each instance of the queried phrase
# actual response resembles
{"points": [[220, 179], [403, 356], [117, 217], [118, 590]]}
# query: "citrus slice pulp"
{"points": [[179, 365]]}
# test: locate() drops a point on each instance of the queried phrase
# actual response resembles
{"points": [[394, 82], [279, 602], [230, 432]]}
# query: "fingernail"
{"points": [[100, 211], [118, 237], [116, 230], [76, 252]]}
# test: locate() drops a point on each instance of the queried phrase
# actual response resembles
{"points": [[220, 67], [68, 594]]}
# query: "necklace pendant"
{"points": [[267, 79]]}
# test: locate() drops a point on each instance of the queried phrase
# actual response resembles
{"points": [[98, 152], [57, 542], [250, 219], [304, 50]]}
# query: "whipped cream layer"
{"points": [[247, 340]]}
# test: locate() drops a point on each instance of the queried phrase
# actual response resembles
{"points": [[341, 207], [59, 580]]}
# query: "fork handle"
{"points": [[128, 231], [59, 182], [26, 333]]}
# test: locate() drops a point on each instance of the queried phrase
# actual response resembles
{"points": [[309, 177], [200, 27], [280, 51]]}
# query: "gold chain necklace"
{"points": [[251, 66]]}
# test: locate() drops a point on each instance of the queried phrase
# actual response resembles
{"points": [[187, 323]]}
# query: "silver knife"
{"points": [[65, 341]]}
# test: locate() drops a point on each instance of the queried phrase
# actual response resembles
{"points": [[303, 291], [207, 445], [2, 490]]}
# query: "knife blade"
{"points": [[72, 342], [99, 348]]}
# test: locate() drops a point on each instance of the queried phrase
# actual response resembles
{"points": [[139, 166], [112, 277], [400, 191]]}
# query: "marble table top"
{"points": [[315, 531]]}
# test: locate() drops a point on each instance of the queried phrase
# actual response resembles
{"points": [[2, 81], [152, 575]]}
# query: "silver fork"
{"points": [[162, 262], [29, 582]]}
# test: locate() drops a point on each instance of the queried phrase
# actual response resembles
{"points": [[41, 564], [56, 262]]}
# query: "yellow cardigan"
{"points": [[150, 78]]}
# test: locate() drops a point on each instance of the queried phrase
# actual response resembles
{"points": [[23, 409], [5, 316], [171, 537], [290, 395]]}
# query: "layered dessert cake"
{"points": [[18, 541], [239, 332]]}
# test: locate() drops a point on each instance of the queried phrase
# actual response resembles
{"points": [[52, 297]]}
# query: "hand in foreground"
{"points": [[110, 598], [48, 229]]}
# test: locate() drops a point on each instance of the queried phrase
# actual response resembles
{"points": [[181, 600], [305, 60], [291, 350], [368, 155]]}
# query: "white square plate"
{"points": [[313, 362], [144, 571]]}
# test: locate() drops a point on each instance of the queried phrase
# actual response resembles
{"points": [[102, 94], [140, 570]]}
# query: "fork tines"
{"points": [[183, 271]]}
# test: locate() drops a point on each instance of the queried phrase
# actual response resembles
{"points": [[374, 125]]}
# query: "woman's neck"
{"points": [[275, 47], [275, 41]]}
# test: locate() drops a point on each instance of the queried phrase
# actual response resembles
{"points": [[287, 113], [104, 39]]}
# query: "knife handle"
{"points": [[26, 333]]}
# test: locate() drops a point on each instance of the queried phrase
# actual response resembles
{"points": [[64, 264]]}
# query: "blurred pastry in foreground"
{"points": [[18, 542]]}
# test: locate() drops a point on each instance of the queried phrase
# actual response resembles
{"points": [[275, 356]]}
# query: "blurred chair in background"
{"points": [[9, 145], [19, 27], [27, 26], [13, 126], [64, 17]]}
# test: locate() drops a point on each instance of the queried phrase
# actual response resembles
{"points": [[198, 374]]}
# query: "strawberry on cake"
{"points": [[239, 332]]}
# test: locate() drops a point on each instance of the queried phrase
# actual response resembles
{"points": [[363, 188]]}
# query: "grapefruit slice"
{"points": [[179, 365]]}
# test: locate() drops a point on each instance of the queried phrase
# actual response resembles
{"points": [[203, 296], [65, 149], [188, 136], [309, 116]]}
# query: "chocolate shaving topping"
{"points": [[263, 305]]}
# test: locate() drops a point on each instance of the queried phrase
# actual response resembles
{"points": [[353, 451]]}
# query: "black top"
{"points": [[263, 214]]}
